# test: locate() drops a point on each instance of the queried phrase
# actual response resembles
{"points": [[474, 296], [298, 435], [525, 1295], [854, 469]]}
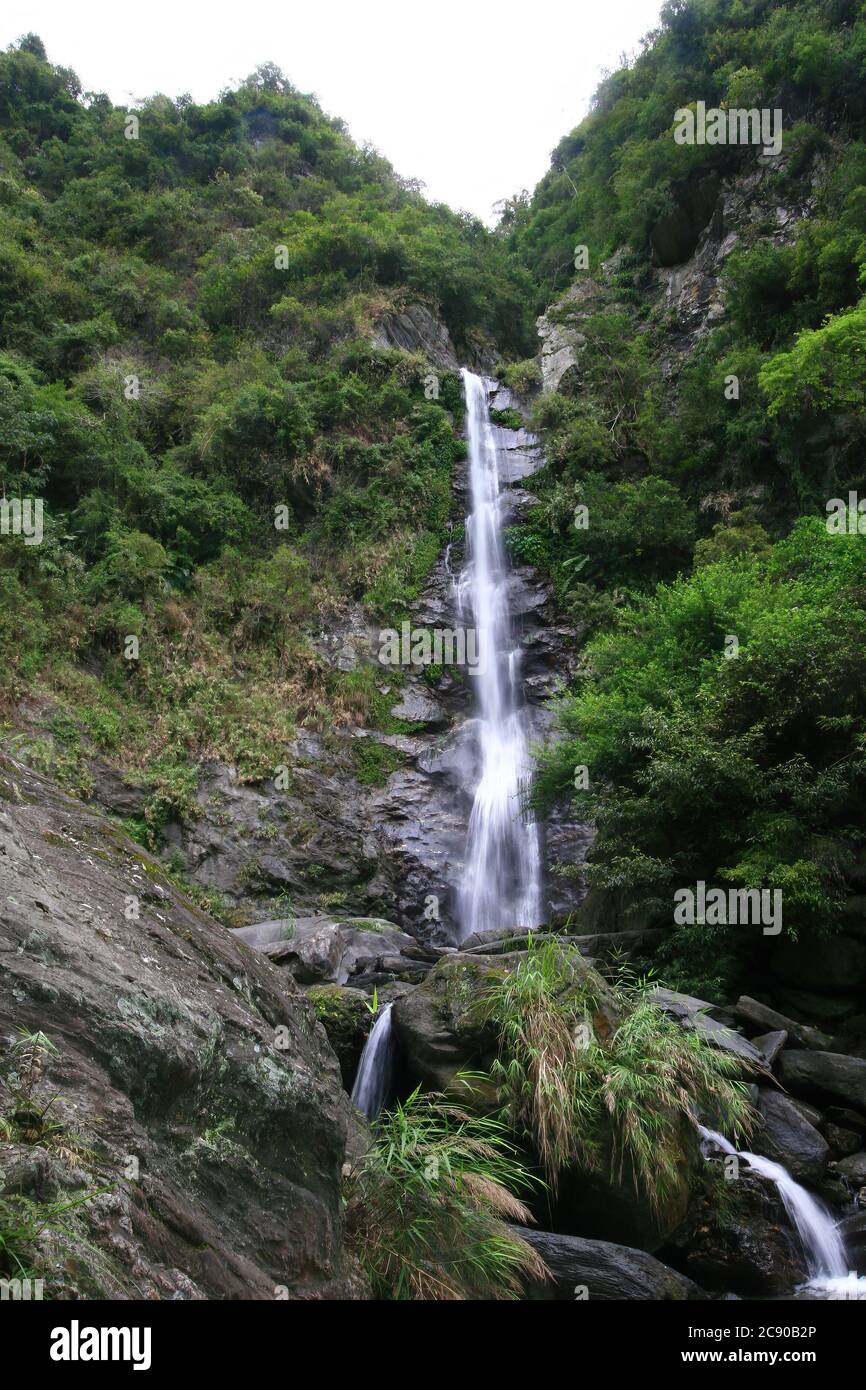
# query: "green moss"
{"points": [[375, 762]]}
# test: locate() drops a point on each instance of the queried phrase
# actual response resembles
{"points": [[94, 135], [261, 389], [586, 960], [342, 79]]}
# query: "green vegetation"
{"points": [[596, 1076], [427, 1206], [188, 380], [616, 177], [689, 476], [746, 770]]}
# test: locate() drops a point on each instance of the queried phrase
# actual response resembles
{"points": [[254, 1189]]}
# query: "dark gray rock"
{"points": [[439, 1026], [761, 1017], [847, 1119], [790, 1139], [843, 1142], [770, 1045], [365, 950], [414, 329], [826, 1076], [852, 1229], [347, 1019], [115, 791], [854, 1168], [827, 1009], [810, 1113], [737, 1237], [833, 965], [602, 1272], [418, 707]]}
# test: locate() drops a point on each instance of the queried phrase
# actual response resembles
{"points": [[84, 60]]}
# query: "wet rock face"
{"points": [[298, 842], [195, 1084], [736, 1238], [424, 809]]}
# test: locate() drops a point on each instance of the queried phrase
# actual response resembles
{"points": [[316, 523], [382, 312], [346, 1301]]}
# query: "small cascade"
{"points": [[374, 1069], [822, 1245], [502, 881]]}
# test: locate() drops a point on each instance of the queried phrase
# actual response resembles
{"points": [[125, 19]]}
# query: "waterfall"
{"points": [[501, 885], [822, 1244], [374, 1068]]}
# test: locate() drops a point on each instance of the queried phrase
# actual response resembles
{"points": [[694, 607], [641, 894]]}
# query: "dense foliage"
{"points": [[427, 1206], [619, 173], [685, 501], [595, 1076], [187, 379]]}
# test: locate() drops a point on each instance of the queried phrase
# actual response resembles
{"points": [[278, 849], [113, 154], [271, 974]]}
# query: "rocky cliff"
{"points": [[186, 1132]]}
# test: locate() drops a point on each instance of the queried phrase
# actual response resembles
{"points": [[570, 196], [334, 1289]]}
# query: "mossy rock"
{"points": [[346, 1018], [440, 1024]]}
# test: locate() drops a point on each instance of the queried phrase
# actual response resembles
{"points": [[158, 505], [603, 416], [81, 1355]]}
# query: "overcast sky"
{"points": [[468, 96]]}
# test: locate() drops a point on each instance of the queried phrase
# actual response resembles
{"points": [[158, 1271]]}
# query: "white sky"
{"points": [[467, 95]]}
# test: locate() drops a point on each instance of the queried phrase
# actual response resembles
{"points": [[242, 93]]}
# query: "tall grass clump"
{"points": [[426, 1208], [597, 1076]]}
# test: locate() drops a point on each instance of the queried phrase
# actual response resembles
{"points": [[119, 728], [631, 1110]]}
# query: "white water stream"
{"points": [[374, 1069], [502, 868], [822, 1245]]}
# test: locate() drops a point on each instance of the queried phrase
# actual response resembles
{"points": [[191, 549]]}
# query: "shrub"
{"points": [[579, 1061], [426, 1207]]}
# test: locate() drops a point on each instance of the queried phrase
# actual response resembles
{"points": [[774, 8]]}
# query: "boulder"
{"points": [[810, 1113], [439, 1026], [843, 1142], [789, 1139], [313, 952], [853, 1169], [828, 1009], [608, 1202], [602, 1272], [346, 1018], [831, 965], [770, 1045], [695, 1015], [761, 1017], [737, 1237], [847, 1119], [826, 1076], [178, 1048], [366, 950], [852, 1229]]}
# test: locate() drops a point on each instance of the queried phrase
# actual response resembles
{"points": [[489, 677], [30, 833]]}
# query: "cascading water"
{"points": [[374, 1069], [822, 1244], [502, 878]]}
